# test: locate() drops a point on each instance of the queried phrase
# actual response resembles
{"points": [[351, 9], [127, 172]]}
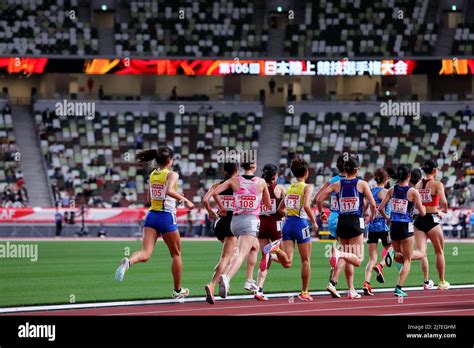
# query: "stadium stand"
{"points": [[89, 159], [12, 184], [201, 29], [45, 27], [320, 137], [362, 28], [463, 40]]}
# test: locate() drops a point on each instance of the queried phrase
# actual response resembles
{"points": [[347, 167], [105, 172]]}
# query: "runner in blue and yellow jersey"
{"points": [[161, 217]]}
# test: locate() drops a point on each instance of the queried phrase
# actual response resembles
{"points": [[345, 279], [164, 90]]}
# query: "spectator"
{"points": [[116, 199], [58, 219], [101, 233], [174, 94], [139, 141], [272, 85], [467, 111]]}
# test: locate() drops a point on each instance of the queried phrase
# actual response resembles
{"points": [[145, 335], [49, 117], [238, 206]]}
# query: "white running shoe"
{"points": [[260, 296], [223, 286], [250, 285], [353, 295], [121, 269], [333, 291], [428, 286], [182, 294]]}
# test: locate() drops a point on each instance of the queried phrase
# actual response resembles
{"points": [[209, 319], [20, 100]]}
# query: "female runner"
{"points": [[161, 218]]}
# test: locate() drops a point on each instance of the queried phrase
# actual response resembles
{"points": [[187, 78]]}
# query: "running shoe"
{"points": [[334, 257], [272, 247], [181, 294], [333, 291], [121, 269], [265, 262], [209, 294], [353, 295], [367, 289], [443, 285], [223, 285], [305, 296], [379, 270], [428, 285], [400, 293], [389, 257], [260, 296], [250, 285]]}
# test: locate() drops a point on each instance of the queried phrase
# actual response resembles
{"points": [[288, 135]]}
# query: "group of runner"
{"points": [[256, 215]]}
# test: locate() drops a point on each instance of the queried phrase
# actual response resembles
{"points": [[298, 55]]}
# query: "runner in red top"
{"points": [[428, 226], [270, 225]]}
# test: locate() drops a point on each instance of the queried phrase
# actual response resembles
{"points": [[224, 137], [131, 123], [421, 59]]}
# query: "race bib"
{"points": [[348, 204], [425, 195], [278, 225], [228, 202], [157, 192], [306, 232], [334, 203], [410, 227], [246, 202], [255, 225], [293, 202], [269, 211], [399, 206]]}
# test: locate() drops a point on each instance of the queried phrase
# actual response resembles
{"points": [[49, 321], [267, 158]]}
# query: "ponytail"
{"points": [[380, 175], [415, 176], [351, 165], [162, 156], [401, 174], [268, 172]]}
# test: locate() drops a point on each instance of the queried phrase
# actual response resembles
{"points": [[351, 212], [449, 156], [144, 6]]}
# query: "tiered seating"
{"points": [[202, 28], [86, 148], [362, 28], [463, 40], [45, 27], [12, 184], [381, 141]]}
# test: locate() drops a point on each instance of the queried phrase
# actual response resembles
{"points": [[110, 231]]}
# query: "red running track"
{"points": [[435, 302]]}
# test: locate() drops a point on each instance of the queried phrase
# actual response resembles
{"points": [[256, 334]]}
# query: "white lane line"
{"points": [[352, 308], [430, 312], [329, 301], [188, 300]]}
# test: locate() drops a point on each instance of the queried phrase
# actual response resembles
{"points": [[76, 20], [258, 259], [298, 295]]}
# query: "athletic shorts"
{"points": [[427, 222], [373, 238], [332, 223], [401, 230], [161, 221], [296, 229], [349, 226], [270, 228], [222, 228], [245, 224]]}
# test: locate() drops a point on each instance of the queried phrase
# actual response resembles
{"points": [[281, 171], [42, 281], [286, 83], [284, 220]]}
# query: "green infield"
{"points": [[75, 272]]}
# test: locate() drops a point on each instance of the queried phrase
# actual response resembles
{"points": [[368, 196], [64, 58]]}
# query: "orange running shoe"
{"points": [[304, 296], [367, 289], [209, 293]]}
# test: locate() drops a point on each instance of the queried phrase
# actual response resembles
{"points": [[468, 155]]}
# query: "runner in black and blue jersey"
{"points": [[377, 230], [402, 199]]}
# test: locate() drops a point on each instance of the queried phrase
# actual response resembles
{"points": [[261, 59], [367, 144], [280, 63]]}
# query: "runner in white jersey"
{"points": [[249, 191]]}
